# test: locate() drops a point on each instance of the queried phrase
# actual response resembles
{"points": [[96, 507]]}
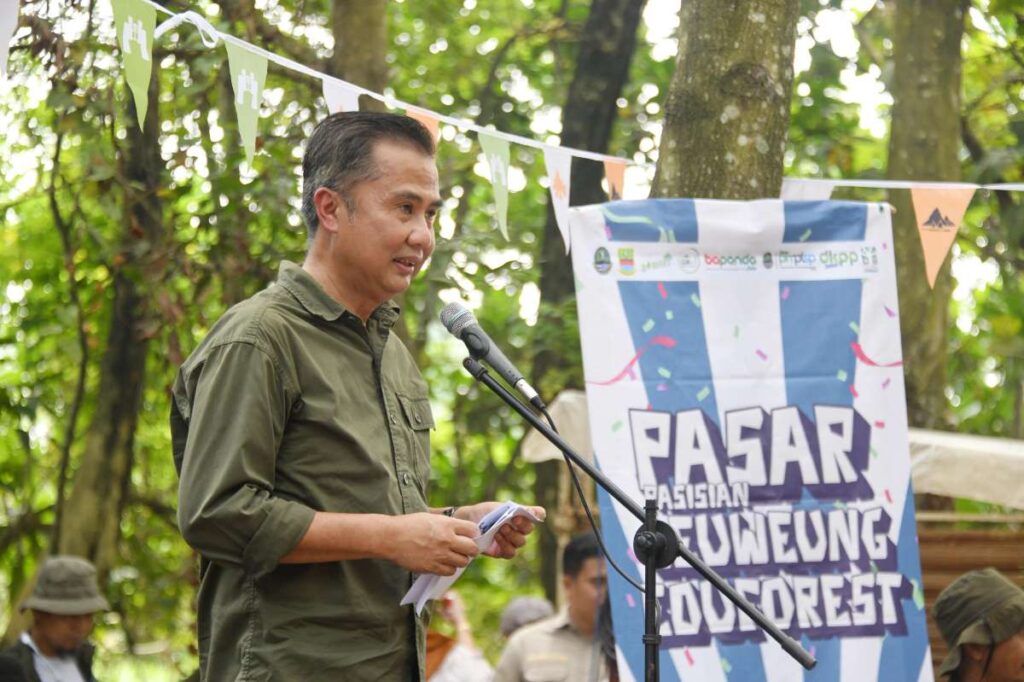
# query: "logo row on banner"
{"points": [[939, 207]]}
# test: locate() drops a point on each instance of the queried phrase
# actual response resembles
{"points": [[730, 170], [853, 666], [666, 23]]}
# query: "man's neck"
{"points": [[580, 625], [334, 288]]}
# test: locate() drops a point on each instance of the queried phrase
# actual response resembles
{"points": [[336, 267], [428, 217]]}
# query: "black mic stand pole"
{"points": [[656, 543]]}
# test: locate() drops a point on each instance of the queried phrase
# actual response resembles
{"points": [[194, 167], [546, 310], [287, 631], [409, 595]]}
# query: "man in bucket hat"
{"points": [[63, 603], [981, 617]]}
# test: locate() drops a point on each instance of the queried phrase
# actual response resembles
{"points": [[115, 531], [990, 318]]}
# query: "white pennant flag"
{"points": [[806, 188], [558, 162], [340, 96], [8, 25]]}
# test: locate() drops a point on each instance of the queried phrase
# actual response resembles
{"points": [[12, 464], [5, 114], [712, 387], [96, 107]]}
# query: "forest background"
{"points": [[121, 245]]}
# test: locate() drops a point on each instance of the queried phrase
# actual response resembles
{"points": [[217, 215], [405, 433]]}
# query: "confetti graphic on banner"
{"points": [[558, 162], [663, 341], [496, 151], [615, 174], [135, 21], [8, 25], [248, 74], [939, 212], [340, 96], [858, 351]]}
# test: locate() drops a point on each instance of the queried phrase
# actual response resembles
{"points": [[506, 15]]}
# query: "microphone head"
{"points": [[455, 317]]}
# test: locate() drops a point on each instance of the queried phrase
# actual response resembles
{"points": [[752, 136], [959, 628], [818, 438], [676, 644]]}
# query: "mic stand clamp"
{"points": [[656, 545]]}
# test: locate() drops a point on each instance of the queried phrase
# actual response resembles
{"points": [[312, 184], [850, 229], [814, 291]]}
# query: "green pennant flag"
{"points": [[248, 74], [496, 151], [135, 21]]}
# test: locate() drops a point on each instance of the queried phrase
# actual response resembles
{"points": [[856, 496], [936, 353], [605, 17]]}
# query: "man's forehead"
{"points": [[415, 194]]}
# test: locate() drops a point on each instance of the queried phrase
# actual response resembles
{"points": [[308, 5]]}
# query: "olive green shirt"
{"points": [[291, 405]]}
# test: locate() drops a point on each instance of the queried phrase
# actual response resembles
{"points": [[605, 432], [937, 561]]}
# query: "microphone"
{"points": [[462, 325]]}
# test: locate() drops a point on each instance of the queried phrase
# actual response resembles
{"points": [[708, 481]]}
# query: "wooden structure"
{"points": [[949, 550]]}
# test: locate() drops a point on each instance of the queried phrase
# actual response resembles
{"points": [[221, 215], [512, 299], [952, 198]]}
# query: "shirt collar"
{"points": [[308, 292], [26, 639], [561, 621]]}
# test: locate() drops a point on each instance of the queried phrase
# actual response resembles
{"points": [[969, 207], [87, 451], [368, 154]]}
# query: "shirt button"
{"points": [[391, 416], [406, 478]]}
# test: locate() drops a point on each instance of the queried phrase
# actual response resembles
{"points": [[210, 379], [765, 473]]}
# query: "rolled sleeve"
{"points": [[227, 509]]}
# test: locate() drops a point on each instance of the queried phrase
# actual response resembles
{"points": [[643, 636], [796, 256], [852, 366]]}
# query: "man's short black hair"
{"points": [[580, 548], [339, 153]]}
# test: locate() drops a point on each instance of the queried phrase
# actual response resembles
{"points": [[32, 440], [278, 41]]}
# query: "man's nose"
{"points": [[422, 232]]}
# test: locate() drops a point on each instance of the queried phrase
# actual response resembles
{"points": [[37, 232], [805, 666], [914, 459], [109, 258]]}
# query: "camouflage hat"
{"points": [[523, 611], [980, 607], [66, 586]]}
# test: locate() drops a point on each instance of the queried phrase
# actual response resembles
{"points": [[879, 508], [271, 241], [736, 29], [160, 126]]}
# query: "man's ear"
{"points": [[976, 652], [328, 204]]}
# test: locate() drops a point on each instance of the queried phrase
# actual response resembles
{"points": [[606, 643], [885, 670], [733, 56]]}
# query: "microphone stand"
{"points": [[656, 543]]}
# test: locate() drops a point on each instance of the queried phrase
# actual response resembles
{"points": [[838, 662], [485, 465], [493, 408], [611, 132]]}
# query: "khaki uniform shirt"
{"points": [[551, 650], [290, 406]]}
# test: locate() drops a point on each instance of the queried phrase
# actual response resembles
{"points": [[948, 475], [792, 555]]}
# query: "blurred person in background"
{"points": [[455, 658], [981, 617], [64, 602], [522, 611], [565, 646]]}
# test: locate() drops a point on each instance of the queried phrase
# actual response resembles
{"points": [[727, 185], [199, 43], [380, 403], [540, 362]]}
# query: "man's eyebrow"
{"points": [[406, 195]]}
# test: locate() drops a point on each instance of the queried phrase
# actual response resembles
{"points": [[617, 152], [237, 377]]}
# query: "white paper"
{"points": [[431, 586]]}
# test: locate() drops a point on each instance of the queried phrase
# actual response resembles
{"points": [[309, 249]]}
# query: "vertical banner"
{"points": [[248, 74], [938, 212], [743, 368], [135, 21], [558, 162], [340, 96], [496, 151]]}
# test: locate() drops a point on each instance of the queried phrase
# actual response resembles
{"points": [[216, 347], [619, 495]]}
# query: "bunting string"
{"points": [[939, 206], [390, 102]]}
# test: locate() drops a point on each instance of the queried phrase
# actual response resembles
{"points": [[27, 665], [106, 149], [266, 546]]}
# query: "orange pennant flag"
{"points": [[615, 173], [938, 211], [429, 121]]}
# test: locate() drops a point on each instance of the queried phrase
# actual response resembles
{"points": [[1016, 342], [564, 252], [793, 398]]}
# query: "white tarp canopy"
{"points": [[975, 467], [942, 463]]}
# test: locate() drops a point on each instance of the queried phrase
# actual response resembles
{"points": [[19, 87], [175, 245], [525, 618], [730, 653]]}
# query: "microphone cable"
{"points": [[590, 515]]}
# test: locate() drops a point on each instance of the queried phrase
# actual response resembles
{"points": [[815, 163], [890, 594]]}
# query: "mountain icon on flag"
{"points": [[937, 221]]}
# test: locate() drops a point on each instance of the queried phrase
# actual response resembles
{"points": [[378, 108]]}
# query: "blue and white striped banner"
{"points": [[744, 368]]}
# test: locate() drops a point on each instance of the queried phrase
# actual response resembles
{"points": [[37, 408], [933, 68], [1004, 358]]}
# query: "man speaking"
{"points": [[301, 434]]}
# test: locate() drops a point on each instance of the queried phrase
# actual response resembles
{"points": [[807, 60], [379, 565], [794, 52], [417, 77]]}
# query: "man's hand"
{"points": [[430, 543], [512, 535]]}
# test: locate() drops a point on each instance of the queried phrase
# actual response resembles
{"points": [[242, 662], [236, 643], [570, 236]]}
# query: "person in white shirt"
{"points": [[65, 600]]}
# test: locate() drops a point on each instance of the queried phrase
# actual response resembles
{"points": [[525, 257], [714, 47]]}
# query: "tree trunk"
{"points": [[728, 105], [91, 518], [606, 50], [102, 482], [360, 29], [924, 145]]}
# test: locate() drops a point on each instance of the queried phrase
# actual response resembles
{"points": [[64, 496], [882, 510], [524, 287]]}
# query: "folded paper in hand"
{"points": [[431, 586]]}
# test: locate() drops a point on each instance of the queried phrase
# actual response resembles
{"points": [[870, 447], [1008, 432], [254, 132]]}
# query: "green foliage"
{"points": [[506, 63]]}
